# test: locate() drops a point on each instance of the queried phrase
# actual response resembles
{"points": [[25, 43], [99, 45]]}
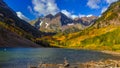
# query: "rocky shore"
{"points": [[102, 64], [112, 53], [92, 64], [109, 63]]}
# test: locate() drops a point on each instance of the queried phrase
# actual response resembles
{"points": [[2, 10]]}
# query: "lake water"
{"points": [[21, 57]]}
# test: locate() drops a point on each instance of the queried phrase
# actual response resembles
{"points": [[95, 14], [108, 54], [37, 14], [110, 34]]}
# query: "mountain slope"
{"points": [[8, 16], [110, 17], [15, 32], [11, 36], [109, 41]]}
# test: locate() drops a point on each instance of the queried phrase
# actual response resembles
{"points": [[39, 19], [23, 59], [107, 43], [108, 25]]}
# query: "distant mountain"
{"points": [[62, 18], [50, 16], [36, 23], [60, 22], [86, 20], [15, 32]]}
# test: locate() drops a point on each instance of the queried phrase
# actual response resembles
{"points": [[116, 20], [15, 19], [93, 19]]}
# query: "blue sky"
{"points": [[31, 9]]}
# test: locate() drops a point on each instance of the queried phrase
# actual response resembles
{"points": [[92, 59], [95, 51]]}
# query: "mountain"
{"points": [[15, 32], [86, 20], [12, 39], [60, 22], [52, 23], [110, 17], [50, 16], [62, 18], [10, 17], [36, 23], [103, 34]]}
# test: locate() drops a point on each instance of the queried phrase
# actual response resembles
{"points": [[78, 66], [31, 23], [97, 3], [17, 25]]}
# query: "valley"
{"points": [[52, 36], [102, 35], [61, 31]]}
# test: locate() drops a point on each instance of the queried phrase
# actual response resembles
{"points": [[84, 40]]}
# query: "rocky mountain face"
{"points": [[86, 20], [60, 22], [15, 32], [62, 18]]}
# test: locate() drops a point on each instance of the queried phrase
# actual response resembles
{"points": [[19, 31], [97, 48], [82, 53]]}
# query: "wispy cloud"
{"points": [[89, 15], [93, 4], [44, 7], [82, 15], [111, 1], [23, 17], [30, 9], [104, 9], [69, 14], [73, 16]]}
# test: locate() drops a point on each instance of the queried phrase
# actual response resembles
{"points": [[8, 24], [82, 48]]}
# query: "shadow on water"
{"points": [[21, 57]]}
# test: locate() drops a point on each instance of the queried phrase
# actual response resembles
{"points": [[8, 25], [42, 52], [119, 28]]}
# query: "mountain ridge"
{"points": [[56, 23]]}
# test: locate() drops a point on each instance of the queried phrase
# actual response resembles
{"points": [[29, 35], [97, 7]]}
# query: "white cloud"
{"points": [[89, 15], [111, 1], [44, 7], [30, 9], [104, 9], [69, 14], [93, 4], [23, 17], [82, 15], [66, 13], [74, 16]]}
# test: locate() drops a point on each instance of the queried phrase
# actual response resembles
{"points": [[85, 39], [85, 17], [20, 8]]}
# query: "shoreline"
{"points": [[92, 64], [114, 53]]}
